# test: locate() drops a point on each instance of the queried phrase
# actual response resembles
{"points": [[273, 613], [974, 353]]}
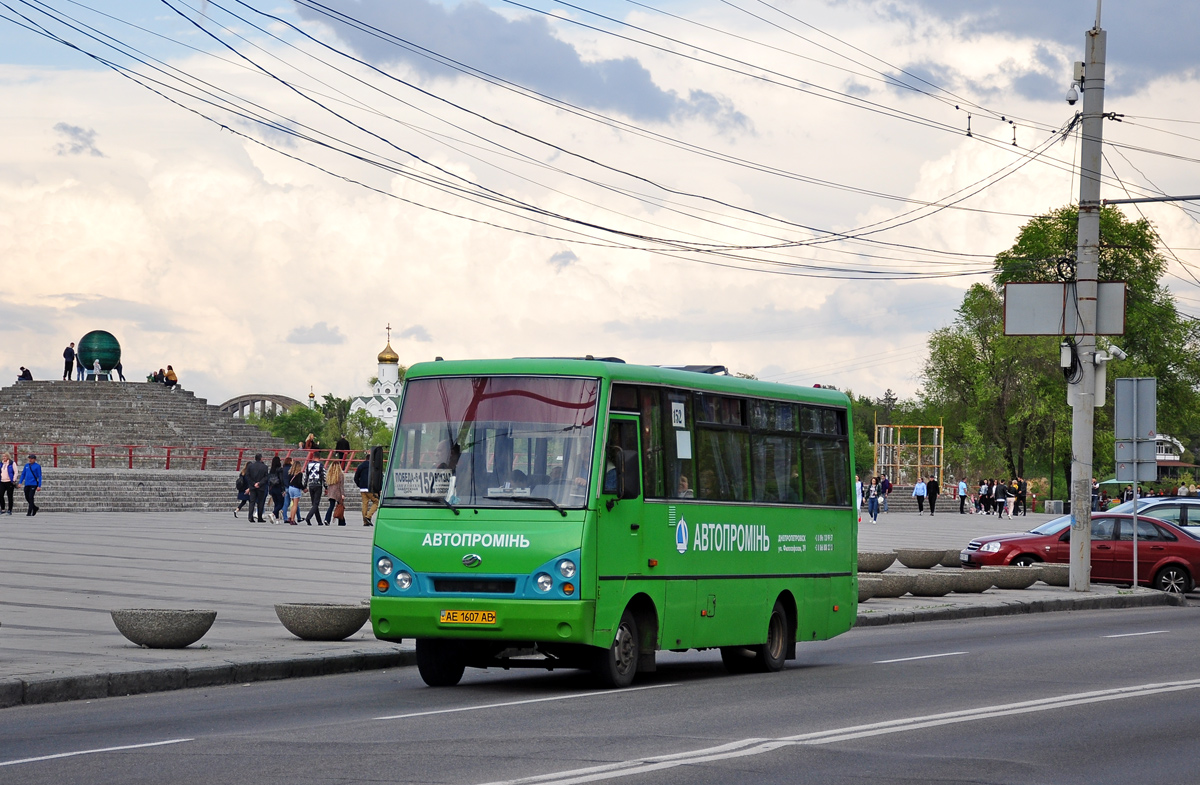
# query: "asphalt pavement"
{"points": [[1089, 697], [61, 574]]}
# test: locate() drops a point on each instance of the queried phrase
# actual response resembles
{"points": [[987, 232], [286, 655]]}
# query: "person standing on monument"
{"points": [[256, 486], [68, 361], [8, 479], [314, 479], [80, 371], [31, 481]]}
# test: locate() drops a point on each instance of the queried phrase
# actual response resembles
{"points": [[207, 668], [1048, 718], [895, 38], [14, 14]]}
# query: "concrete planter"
{"points": [[1055, 574], [1016, 577], [867, 586], [974, 581], [875, 561], [952, 558], [933, 584], [895, 584], [919, 559], [157, 628], [322, 621]]}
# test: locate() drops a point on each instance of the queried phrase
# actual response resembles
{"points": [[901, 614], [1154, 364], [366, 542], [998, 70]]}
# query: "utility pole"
{"points": [[1083, 393]]}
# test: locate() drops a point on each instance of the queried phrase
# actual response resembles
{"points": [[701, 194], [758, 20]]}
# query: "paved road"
{"points": [[1032, 699]]}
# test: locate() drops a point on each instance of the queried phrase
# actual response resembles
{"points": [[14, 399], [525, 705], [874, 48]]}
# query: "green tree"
{"points": [[1004, 397], [365, 431], [294, 425]]}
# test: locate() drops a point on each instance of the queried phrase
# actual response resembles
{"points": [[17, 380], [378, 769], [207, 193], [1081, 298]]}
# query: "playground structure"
{"points": [[904, 453]]}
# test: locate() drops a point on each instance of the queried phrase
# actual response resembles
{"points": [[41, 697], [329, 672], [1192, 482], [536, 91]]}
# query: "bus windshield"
{"points": [[494, 441]]}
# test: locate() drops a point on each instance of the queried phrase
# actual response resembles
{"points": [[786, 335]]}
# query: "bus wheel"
{"points": [[769, 656], [617, 665], [439, 662]]}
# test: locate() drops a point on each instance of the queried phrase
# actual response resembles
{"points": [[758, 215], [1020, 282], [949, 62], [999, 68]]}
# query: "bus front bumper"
{"points": [[549, 621]]}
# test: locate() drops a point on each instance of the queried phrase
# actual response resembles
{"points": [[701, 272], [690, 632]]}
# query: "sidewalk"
{"points": [[61, 574]]}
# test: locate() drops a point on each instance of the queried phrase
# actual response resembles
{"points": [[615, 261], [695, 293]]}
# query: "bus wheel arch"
{"points": [[788, 601], [646, 614]]}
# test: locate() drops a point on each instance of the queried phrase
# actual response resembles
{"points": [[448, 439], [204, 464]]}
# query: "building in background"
{"points": [[385, 401]]}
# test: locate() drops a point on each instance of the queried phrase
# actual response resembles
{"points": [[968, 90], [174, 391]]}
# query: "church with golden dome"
{"points": [[386, 399]]}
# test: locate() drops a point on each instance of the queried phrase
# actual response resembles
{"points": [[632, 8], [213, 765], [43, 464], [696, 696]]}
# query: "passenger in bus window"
{"points": [[684, 492]]}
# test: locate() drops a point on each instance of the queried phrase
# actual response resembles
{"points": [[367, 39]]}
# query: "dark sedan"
{"points": [[1168, 556]]}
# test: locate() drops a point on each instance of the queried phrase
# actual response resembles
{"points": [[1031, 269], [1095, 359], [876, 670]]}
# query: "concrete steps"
{"points": [[142, 490]]}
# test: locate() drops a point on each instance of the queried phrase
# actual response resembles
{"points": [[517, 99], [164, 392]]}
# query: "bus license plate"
{"points": [[468, 617]]}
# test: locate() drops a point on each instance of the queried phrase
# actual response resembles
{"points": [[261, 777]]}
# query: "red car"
{"points": [[1168, 556]]}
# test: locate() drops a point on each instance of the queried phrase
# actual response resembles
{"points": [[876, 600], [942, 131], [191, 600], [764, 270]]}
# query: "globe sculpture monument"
{"points": [[99, 345]]}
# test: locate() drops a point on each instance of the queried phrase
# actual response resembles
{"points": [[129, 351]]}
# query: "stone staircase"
{"points": [[146, 490], [147, 417]]}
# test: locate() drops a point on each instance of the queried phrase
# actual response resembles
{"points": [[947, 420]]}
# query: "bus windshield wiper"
{"points": [[545, 499], [436, 499]]}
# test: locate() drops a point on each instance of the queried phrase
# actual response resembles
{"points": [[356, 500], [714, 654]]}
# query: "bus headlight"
{"points": [[384, 565], [566, 568], [403, 580], [543, 582]]}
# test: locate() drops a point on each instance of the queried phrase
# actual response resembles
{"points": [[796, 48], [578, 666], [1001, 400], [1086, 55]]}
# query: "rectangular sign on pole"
{"points": [[1051, 308], [1135, 411]]}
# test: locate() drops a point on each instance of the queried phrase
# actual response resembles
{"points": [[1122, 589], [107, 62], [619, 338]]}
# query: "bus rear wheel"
{"points": [[617, 665], [439, 662], [765, 657]]}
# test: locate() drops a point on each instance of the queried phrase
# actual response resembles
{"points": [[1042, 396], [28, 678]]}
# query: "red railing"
{"points": [[182, 457]]}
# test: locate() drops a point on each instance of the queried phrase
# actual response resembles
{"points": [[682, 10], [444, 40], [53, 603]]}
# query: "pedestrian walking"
{"points": [[256, 486], [962, 497], [1022, 495], [31, 481], [336, 494], [918, 493], [243, 492], [1012, 497], [984, 501], [885, 488], [277, 479], [295, 491], [873, 493], [1000, 496], [370, 501], [932, 489], [314, 480], [68, 361], [8, 480]]}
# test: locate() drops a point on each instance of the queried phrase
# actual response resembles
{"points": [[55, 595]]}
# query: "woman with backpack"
{"points": [[277, 479]]}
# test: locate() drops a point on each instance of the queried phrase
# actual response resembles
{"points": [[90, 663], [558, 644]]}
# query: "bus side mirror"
{"points": [[629, 482]]}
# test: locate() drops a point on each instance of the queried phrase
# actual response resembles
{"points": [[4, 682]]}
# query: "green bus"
{"points": [[586, 513]]}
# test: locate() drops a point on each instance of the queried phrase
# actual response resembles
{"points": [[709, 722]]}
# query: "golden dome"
{"points": [[388, 355]]}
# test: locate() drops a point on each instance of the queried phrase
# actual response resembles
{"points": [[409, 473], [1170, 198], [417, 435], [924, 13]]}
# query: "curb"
{"points": [[1016, 607], [17, 692]]}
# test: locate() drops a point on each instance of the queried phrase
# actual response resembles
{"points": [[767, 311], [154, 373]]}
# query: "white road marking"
{"points": [[747, 747], [92, 752], [596, 694], [1135, 634], [922, 657]]}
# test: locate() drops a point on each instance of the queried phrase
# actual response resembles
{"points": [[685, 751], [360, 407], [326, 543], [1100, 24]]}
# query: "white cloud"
{"points": [[319, 333]]}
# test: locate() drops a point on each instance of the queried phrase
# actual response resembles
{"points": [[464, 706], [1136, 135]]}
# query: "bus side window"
{"points": [[622, 445], [679, 477], [652, 442]]}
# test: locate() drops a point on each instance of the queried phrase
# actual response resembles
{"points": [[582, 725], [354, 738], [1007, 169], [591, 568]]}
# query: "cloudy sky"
{"points": [[784, 187]]}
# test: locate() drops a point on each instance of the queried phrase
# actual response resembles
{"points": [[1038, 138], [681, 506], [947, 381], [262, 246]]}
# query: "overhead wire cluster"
{"points": [[693, 225], [344, 115]]}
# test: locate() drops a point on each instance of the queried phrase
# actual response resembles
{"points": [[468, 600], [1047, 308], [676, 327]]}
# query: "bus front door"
{"points": [[620, 552]]}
